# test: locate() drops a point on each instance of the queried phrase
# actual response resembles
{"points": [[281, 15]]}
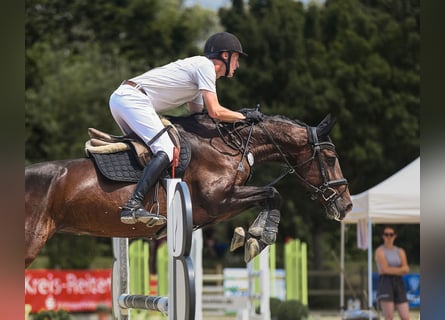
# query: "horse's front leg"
{"points": [[264, 229], [261, 233]]}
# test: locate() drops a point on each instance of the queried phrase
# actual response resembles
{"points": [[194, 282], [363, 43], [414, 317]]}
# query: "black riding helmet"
{"points": [[221, 42]]}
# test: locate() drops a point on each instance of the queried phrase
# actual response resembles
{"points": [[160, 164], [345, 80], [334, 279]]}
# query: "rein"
{"points": [[291, 169], [325, 190], [235, 136]]}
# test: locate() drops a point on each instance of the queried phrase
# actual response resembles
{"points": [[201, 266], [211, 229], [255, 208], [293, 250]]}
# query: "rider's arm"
{"points": [[404, 262], [386, 269], [217, 111]]}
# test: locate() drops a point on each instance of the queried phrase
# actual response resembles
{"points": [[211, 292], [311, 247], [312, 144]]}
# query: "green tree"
{"points": [[52, 315], [358, 60], [73, 95], [77, 53]]}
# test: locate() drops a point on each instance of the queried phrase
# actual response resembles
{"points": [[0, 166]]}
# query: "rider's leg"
{"points": [[134, 210], [134, 113]]}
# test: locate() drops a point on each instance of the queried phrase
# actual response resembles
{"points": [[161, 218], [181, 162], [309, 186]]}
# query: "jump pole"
{"points": [[180, 303]]}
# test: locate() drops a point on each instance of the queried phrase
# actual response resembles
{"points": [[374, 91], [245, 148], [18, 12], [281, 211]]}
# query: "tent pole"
{"points": [[369, 266], [342, 268]]}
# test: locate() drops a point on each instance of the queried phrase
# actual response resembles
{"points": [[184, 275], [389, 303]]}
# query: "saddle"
{"points": [[123, 158]]}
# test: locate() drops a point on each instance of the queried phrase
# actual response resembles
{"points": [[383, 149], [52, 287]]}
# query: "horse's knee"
{"points": [[274, 198], [28, 261], [30, 256], [34, 242]]}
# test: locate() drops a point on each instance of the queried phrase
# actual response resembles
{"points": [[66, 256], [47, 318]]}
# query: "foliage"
{"points": [[343, 58], [73, 252], [286, 310], [356, 59], [78, 52], [52, 315], [68, 100], [274, 304], [292, 310]]}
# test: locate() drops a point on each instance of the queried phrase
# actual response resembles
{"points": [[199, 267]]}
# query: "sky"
{"points": [[209, 4], [216, 4]]}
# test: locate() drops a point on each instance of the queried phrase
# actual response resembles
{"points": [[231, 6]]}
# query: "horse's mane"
{"points": [[198, 123], [281, 118], [204, 126]]}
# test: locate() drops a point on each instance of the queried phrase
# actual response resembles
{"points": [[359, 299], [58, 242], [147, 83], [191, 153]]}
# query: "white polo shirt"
{"points": [[178, 82]]}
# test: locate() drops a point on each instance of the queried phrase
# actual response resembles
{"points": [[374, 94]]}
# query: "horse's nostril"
{"points": [[349, 207]]}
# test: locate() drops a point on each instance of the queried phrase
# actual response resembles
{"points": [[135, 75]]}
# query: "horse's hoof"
{"points": [[251, 250], [238, 239]]}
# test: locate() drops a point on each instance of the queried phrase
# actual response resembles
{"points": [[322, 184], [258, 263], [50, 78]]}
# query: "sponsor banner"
{"points": [[412, 285], [71, 290]]}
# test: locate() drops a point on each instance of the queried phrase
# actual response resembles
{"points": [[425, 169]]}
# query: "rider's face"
{"points": [[234, 64]]}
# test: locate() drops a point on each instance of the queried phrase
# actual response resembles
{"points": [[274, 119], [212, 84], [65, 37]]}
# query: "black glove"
{"points": [[252, 115]]}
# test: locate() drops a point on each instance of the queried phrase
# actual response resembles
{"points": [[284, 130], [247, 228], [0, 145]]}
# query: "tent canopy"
{"points": [[394, 200]]}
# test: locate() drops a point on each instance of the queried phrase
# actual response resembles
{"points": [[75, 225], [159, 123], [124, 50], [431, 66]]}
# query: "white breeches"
{"points": [[134, 112]]}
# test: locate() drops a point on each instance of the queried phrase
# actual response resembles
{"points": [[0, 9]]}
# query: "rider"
{"points": [[135, 103]]}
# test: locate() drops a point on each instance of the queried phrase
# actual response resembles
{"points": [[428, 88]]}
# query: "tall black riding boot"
{"points": [[134, 210]]}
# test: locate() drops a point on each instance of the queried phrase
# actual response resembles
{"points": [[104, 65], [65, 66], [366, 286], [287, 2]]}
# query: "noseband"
{"points": [[325, 191]]}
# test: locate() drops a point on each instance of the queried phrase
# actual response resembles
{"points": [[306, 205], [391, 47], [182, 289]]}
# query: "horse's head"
{"points": [[310, 155], [319, 170]]}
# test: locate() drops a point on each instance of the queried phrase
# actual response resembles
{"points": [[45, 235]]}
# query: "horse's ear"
{"points": [[325, 126]]}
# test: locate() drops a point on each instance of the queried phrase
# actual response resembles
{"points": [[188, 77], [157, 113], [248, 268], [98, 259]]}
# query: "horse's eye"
{"points": [[331, 161]]}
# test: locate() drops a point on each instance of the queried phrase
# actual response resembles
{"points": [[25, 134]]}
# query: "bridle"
{"points": [[325, 191]]}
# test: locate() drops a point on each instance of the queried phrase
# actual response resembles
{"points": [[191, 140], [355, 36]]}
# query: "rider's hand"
{"points": [[252, 115]]}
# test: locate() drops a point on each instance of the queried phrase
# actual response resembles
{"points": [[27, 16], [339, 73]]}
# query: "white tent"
{"points": [[395, 200]]}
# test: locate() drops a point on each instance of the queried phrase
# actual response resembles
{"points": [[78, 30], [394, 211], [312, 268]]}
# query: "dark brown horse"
{"points": [[72, 196]]}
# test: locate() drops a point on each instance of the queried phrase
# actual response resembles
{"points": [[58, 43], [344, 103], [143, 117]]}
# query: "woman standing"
{"points": [[391, 265]]}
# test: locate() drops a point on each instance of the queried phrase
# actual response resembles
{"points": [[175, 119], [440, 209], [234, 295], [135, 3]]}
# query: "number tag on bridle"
{"points": [[250, 159]]}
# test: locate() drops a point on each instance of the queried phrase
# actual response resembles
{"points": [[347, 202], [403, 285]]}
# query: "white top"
{"points": [[178, 82], [392, 257]]}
